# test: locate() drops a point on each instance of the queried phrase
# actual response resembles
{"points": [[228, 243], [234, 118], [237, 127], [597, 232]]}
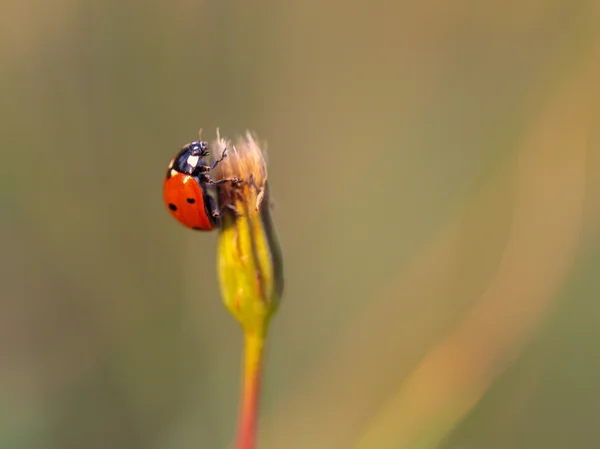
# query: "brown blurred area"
{"points": [[435, 167]]}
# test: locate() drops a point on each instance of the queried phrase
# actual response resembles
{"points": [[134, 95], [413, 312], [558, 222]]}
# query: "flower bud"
{"points": [[249, 257]]}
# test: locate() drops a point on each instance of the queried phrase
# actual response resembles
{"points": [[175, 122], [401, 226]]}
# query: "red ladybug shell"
{"points": [[187, 201]]}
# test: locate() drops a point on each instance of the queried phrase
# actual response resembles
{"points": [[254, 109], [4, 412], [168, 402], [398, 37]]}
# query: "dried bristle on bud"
{"points": [[245, 160]]}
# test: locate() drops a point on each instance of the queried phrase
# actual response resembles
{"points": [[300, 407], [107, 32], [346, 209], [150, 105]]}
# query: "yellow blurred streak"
{"points": [[544, 238]]}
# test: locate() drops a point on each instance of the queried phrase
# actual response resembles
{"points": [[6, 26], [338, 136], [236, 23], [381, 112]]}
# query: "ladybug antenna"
{"points": [[203, 145]]}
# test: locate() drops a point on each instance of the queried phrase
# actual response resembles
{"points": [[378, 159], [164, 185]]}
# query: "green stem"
{"points": [[253, 358]]}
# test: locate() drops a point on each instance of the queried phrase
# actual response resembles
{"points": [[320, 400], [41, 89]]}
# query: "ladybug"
{"points": [[187, 190]]}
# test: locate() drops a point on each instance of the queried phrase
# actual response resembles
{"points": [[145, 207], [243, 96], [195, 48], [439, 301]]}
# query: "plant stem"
{"points": [[253, 358]]}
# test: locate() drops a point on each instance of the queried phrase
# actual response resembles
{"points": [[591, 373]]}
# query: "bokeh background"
{"points": [[436, 172]]}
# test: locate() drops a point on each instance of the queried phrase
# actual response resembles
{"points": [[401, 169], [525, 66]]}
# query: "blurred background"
{"points": [[436, 172]]}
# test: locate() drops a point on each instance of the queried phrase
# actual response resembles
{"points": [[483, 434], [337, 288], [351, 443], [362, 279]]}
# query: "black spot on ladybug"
{"points": [[191, 200], [172, 207]]}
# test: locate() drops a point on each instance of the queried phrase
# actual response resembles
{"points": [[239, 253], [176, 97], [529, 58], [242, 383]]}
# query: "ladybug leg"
{"points": [[234, 181], [217, 213], [217, 162], [200, 170], [260, 191]]}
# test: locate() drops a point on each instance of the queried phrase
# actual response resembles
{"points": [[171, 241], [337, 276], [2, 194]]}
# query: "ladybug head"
{"points": [[197, 148]]}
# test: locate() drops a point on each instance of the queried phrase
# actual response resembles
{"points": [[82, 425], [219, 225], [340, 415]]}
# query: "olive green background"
{"points": [[435, 167]]}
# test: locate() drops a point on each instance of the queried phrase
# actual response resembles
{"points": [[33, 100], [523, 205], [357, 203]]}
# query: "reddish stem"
{"points": [[250, 391]]}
